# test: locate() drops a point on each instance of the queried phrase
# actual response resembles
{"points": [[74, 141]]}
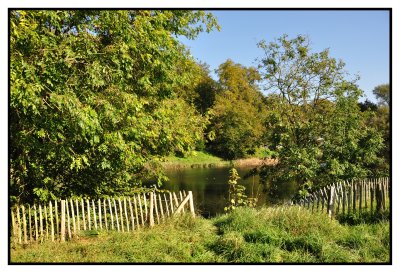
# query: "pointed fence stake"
{"points": [[62, 220], [151, 210], [51, 221]]}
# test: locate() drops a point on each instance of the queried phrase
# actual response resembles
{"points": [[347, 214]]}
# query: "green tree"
{"points": [[380, 119], [199, 89], [236, 118], [92, 98], [315, 125], [382, 93]]}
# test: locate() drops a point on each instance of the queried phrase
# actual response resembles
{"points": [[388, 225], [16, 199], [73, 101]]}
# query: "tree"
{"points": [[236, 118], [382, 93], [92, 98], [381, 119], [315, 125], [367, 106]]}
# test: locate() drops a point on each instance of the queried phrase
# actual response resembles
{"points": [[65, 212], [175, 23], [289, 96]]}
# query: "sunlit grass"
{"points": [[267, 235]]}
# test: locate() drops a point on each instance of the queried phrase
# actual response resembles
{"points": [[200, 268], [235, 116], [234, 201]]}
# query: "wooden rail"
{"points": [[357, 196], [123, 214]]}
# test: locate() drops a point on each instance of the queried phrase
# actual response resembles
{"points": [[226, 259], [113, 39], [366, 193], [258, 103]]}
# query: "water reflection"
{"points": [[210, 188]]}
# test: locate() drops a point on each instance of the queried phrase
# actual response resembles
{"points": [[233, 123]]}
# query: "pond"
{"points": [[210, 188]]}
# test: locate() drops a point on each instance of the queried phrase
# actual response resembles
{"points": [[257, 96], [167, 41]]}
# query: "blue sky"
{"points": [[359, 37]]}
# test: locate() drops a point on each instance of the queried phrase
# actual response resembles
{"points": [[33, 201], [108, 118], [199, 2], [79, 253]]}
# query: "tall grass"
{"points": [[293, 234], [267, 235]]}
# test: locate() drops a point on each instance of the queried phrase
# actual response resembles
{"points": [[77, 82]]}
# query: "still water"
{"points": [[210, 188]]}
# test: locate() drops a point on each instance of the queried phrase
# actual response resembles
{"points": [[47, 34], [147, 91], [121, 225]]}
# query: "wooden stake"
{"points": [[343, 197], [161, 207], [57, 222], [322, 200], [131, 213], [372, 197], [331, 201], [176, 200], [77, 215], [151, 210], [105, 213], [121, 215], [365, 195], [126, 215], [94, 215], [192, 205], [111, 214], [88, 212], [41, 223], [116, 213], [181, 206], [19, 226], [378, 198], [36, 224], [338, 199], [166, 204], [136, 212], [30, 224], [360, 197], [383, 195], [14, 225], [180, 195], [73, 216], [83, 214], [62, 220], [24, 224], [140, 208], [51, 221], [68, 220], [145, 206], [172, 205], [156, 207], [46, 222], [99, 205]]}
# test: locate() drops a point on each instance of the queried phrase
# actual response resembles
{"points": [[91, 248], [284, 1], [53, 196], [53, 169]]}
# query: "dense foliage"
{"points": [[238, 112], [315, 125], [93, 100]]}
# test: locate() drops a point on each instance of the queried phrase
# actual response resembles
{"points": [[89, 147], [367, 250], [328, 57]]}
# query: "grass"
{"points": [[267, 235], [198, 159]]}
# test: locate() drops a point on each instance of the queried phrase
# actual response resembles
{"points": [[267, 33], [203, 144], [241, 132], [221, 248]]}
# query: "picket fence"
{"points": [[348, 197], [65, 219]]}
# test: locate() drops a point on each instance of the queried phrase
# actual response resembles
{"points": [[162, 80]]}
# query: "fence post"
{"points": [[140, 209], [136, 212], [145, 206], [62, 220], [36, 224], [30, 224], [331, 201], [191, 204], [151, 210], [378, 198], [100, 220], [51, 221], [41, 223], [24, 224]]}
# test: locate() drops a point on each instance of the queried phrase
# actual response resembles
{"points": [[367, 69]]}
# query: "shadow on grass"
{"points": [[363, 218]]}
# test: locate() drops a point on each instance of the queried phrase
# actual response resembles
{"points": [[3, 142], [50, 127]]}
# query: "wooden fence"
{"points": [[357, 196], [64, 219]]}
